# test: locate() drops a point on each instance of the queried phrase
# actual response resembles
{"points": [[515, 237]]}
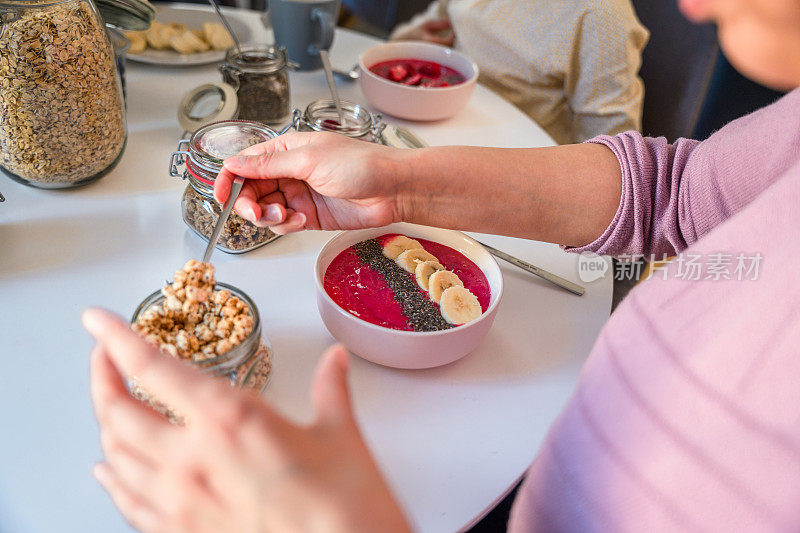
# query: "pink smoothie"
{"points": [[363, 292]]}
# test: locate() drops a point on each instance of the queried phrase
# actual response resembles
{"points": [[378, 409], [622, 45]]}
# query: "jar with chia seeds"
{"points": [[359, 123], [202, 161], [259, 75], [246, 366]]}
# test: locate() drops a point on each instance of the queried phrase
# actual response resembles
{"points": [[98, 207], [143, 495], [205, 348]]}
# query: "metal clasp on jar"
{"points": [[178, 158]]}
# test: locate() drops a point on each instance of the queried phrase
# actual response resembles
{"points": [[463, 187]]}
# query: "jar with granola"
{"points": [[62, 115], [213, 326], [322, 115], [202, 159]]}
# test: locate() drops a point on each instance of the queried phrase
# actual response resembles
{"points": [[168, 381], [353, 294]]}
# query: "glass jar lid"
{"points": [[211, 102], [257, 58], [213, 143], [321, 115]]}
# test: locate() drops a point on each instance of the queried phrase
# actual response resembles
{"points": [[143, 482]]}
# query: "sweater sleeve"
{"points": [[673, 194], [602, 85]]}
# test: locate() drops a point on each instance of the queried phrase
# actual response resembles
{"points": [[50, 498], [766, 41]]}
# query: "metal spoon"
{"points": [[227, 26], [565, 284], [326, 63], [236, 188], [351, 75]]}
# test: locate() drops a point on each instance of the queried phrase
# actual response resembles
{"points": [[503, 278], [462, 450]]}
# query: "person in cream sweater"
{"points": [[570, 65]]}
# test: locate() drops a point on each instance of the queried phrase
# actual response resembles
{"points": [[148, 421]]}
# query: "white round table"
{"points": [[451, 441]]}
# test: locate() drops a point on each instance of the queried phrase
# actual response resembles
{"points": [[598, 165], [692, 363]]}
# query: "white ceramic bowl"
{"points": [[417, 103], [407, 349]]}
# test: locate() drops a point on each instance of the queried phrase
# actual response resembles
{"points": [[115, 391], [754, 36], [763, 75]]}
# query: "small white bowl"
{"points": [[417, 103], [407, 349]]}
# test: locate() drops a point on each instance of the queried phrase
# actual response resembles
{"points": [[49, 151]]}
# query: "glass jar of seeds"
{"points": [[259, 75], [246, 365], [202, 159], [359, 123], [62, 115]]}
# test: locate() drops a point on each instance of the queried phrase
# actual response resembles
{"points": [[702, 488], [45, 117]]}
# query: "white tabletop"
{"points": [[450, 440]]}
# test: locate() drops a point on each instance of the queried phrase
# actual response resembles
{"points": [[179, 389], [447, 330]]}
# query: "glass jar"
{"points": [[259, 75], [246, 366], [207, 148], [62, 116], [121, 45], [321, 115]]}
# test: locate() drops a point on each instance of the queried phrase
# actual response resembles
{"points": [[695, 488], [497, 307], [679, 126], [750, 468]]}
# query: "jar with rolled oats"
{"points": [[202, 161], [213, 326], [62, 114]]}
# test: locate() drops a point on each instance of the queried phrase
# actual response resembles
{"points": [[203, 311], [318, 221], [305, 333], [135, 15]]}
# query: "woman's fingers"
{"points": [[437, 25], [106, 384], [142, 430], [294, 222], [329, 390], [271, 165], [171, 381], [262, 209], [128, 420], [140, 515], [132, 470]]}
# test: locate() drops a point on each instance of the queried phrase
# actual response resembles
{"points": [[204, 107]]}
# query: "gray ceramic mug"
{"points": [[304, 27]]}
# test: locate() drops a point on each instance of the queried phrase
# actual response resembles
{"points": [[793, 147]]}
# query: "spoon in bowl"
{"points": [[326, 63]]}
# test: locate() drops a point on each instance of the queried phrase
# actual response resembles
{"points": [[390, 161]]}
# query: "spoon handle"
{"points": [[565, 284], [227, 25], [236, 188], [326, 63]]}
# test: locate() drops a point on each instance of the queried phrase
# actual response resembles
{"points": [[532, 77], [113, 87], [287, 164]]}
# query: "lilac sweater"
{"points": [[687, 413]]}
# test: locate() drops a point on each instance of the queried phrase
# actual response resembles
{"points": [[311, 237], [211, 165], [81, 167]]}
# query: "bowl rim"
{"points": [[318, 276], [365, 71]]}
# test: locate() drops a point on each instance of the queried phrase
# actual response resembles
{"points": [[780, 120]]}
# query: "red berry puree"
{"points": [[417, 72], [363, 291]]}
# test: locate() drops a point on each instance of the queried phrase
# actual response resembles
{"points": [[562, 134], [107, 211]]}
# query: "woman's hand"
{"points": [[314, 181], [438, 31], [236, 465]]}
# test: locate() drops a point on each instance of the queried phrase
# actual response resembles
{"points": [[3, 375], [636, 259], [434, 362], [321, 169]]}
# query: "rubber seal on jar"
{"points": [[198, 178], [211, 102]]}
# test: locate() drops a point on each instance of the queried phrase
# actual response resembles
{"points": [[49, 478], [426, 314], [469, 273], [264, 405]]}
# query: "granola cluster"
{"points": [[195, 321]]}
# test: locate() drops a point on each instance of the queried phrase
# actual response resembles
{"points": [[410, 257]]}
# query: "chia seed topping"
{"points": [[422, 313]]}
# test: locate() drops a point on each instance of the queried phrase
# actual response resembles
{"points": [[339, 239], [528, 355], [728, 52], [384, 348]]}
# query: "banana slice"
{"points": [[459, 306], [217, 36], [399, 244], [424, 270], [408, 260], [440, 281], [187, 42]]}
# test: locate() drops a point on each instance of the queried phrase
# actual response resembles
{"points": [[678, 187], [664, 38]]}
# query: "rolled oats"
{"points": [[61, 111]]}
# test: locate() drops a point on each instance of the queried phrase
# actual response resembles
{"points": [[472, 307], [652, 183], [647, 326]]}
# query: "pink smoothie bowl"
{"points": [[417, 103], [407, 349]]}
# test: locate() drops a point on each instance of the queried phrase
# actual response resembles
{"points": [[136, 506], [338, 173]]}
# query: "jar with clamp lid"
{"points": [[202, 161], [246, 365], [359, 123], [259, 75]]}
